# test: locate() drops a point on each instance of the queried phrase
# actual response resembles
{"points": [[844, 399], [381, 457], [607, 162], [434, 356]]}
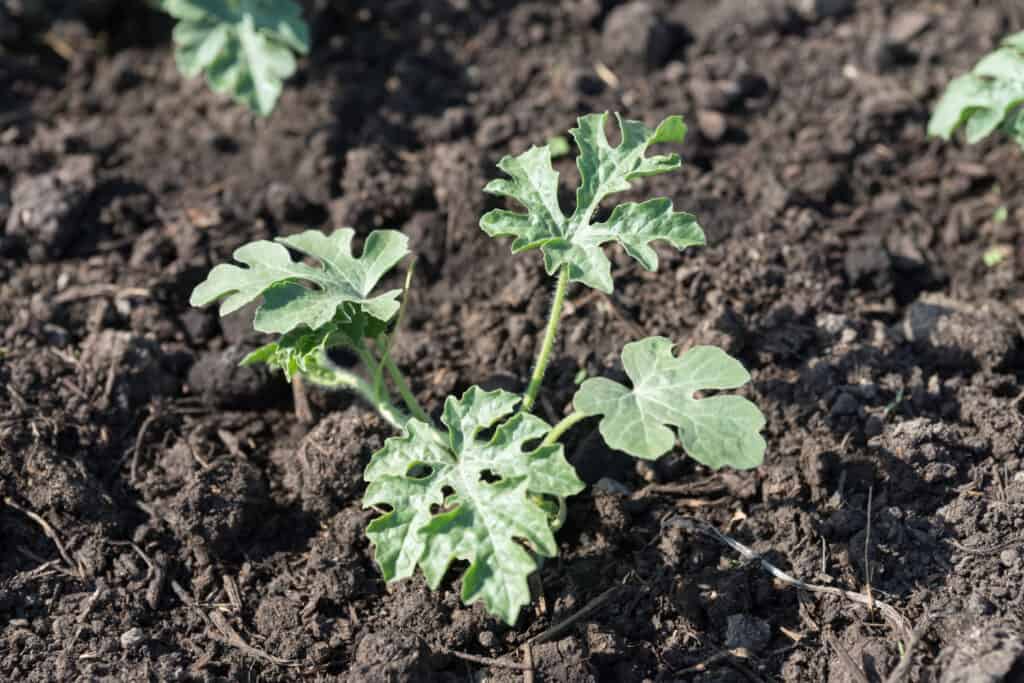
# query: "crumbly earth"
{"points": [[168, 517]]}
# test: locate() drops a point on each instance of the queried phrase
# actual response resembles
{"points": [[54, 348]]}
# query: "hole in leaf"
{"points": [[547, 503], [532, 444], [525, 544], [419, 470], [440, 509], [489, 477], [449, 502]]}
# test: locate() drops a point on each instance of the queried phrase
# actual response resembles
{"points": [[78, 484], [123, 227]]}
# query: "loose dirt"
{"points": [[167, 517]]}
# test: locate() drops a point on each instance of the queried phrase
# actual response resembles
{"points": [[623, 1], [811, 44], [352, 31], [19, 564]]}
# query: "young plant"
{"points": [[334, 308], [488, 484], [986, 99], [245, 47]]}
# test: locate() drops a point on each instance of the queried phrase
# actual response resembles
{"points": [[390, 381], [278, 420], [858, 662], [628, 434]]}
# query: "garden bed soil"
{"points": [[167, 516]]}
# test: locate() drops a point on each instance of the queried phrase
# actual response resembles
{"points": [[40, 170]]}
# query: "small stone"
{"points": [[712, 124], [743, 630], [487, 639], [1010, 558], [131, 638]]}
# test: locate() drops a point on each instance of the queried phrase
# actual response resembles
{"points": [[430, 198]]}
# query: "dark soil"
{"points": [[167, 517]]}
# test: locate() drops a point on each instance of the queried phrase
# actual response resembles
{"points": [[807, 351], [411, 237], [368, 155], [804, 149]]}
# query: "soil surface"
{"points": [[166, 516]]}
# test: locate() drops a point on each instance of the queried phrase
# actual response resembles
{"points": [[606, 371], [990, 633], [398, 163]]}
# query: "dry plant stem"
{"points": [[729, 658], [303, 411], [846, 660], [229, 635], [888, 611], [550, 332], [528, 676], [558, 629], [902, 669], [488, 661], [51, 533]]}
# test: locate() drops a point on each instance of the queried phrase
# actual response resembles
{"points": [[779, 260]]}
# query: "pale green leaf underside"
{"points": [[987, 98], [482, 523], [245, 47], [574, 242], [340, 279], [302, 350], [719, 431]]}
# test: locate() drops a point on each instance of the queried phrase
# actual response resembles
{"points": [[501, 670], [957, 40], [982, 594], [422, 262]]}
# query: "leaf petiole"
{"points": [[549, 341], [366, 357], [404, 390], [562, 427], [331, 376]]}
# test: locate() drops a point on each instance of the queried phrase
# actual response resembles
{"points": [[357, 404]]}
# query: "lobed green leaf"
{"points": [[245, 47], [460, 496], [574, 242], [986, 99], [340, 281], [719, 431]]}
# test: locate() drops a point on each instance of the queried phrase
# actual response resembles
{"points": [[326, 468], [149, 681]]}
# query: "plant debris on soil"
{"points": [[167, 516]]}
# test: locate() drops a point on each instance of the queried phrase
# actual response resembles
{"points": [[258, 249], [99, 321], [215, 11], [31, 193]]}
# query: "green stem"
{"points": [[563, 511], [562, 427], [336, 378], [549, 341], [404, 391], [378, 377], [366, 357]]}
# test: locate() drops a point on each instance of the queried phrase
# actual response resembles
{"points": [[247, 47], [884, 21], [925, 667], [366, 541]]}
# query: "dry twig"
{"points": [[558, 629], [732, 658], [888, 611], [488, 661], [846, 660], [903, 668], [52, 534], [81, 292], [528, 676]]}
